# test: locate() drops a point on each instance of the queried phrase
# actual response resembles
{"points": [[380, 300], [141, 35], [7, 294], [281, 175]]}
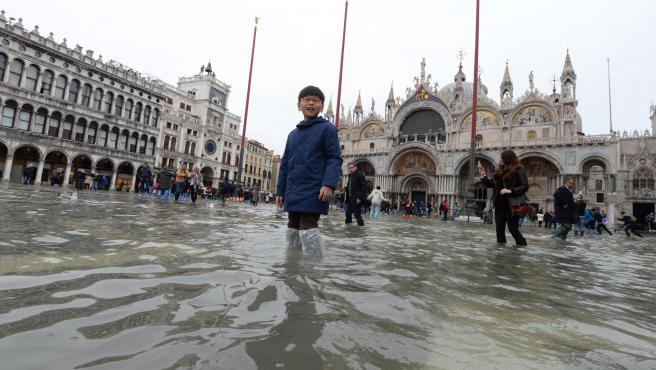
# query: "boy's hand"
{"points": [[279, 201], [325, 193]]}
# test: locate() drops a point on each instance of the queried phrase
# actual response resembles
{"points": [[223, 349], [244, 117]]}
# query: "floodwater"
{"points": [[109, 281]]}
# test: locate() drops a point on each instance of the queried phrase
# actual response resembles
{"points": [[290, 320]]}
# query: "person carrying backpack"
{"points": [[629, 224]]}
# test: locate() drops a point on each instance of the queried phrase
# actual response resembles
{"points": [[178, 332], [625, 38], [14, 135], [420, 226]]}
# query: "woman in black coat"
{"points": [[510, 185]]}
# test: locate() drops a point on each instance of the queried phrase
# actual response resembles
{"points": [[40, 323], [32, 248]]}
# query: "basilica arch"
{"points": [[481, 193], [595, 181], [544, 177]]}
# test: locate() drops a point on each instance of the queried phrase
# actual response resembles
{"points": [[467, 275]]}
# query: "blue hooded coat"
{"points": [[312, 159]]}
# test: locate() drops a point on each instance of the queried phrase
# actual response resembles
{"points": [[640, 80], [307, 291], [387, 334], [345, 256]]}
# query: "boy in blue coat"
{"points": [[309, 170]]}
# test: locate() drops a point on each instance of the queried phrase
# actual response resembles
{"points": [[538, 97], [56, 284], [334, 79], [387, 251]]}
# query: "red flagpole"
{"points": [[242, 162], [341, 68], [475, 98], [472, 155]]}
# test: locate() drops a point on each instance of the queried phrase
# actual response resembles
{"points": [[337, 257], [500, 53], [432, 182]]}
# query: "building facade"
{"points": [[62, 107], [259, 162], [419, 147]]}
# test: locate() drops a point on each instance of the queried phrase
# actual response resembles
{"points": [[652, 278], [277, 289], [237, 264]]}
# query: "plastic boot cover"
{"points": [[311, 241], [293, 240]]}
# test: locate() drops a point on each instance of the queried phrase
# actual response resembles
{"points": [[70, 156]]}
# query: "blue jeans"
{"points": [[165, 192], [562, 230], [178, 188]]}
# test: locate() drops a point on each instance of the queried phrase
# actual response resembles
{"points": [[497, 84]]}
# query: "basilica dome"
{"points": [[448, 91]]}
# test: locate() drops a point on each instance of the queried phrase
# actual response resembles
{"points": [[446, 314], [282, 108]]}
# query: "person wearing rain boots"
{"points": [[309, 171]]}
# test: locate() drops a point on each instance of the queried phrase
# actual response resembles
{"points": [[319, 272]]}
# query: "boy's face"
{"points": [[310, 106]]}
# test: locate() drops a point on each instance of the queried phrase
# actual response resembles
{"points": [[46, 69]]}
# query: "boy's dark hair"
{"points": [[311, 91]]}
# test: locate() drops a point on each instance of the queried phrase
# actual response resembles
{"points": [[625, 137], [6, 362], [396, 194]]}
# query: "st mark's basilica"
{"points": [[419, 147]]}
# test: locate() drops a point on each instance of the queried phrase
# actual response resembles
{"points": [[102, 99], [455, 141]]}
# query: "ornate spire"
{"points": [[329, 111], [349, 117], [506, 77], [460, 76], [568, 70], [358, 104], [390, 97]]}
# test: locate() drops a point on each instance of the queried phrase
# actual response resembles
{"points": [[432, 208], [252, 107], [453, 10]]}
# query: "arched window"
{"points": [[97, 99], [155, 117], [137, 111], [109, 99], [172, 147], [237, 160], [193, 148], [46, 82], [79, 130], [147, 115], [643, 178], [133, 142], [53, 124], [150, 149], [40, 121], [118, 107], [60, 87], [371, 146], [67, 132], [142, 144], [86, 94], [16, 72], [91, 133], [123, 140], [24, 117], [113, 138], [186, 147], [102, 135], [3, 66], [166, 142], [31, 77], [128, 109], [531, 135], [9, 113], [479, 140], [73, 90]]}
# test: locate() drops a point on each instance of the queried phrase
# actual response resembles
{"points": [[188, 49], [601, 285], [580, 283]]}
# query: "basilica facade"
{"points": [[419, 147]]}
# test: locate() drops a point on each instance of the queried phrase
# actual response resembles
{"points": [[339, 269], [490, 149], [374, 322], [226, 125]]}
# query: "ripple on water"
{"points": [[174, 286]]}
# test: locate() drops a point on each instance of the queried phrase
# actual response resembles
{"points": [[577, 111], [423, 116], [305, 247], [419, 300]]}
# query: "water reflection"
{"points": [[291, 343], [110, 281]]}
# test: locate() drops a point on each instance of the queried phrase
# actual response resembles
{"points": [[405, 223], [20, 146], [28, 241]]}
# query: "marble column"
{"points": [[134, 181], [67, 174], [39, 172], [9, 160], [112, 186]]}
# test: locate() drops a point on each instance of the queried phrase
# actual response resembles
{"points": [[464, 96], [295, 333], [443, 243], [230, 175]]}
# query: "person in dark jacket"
{"points": [[510, 185], [599, 219], [145, 179], [226, 190], [579, 213], [309, 170], [629, 225], [564, 204], [356, 193], [164, 183]]}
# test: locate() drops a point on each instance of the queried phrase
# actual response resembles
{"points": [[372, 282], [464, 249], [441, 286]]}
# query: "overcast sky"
{"points": [[298, 43]]}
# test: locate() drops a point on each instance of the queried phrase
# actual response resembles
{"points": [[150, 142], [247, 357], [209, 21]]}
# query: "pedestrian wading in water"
{"points": [[309, 170], [510, 185]]}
